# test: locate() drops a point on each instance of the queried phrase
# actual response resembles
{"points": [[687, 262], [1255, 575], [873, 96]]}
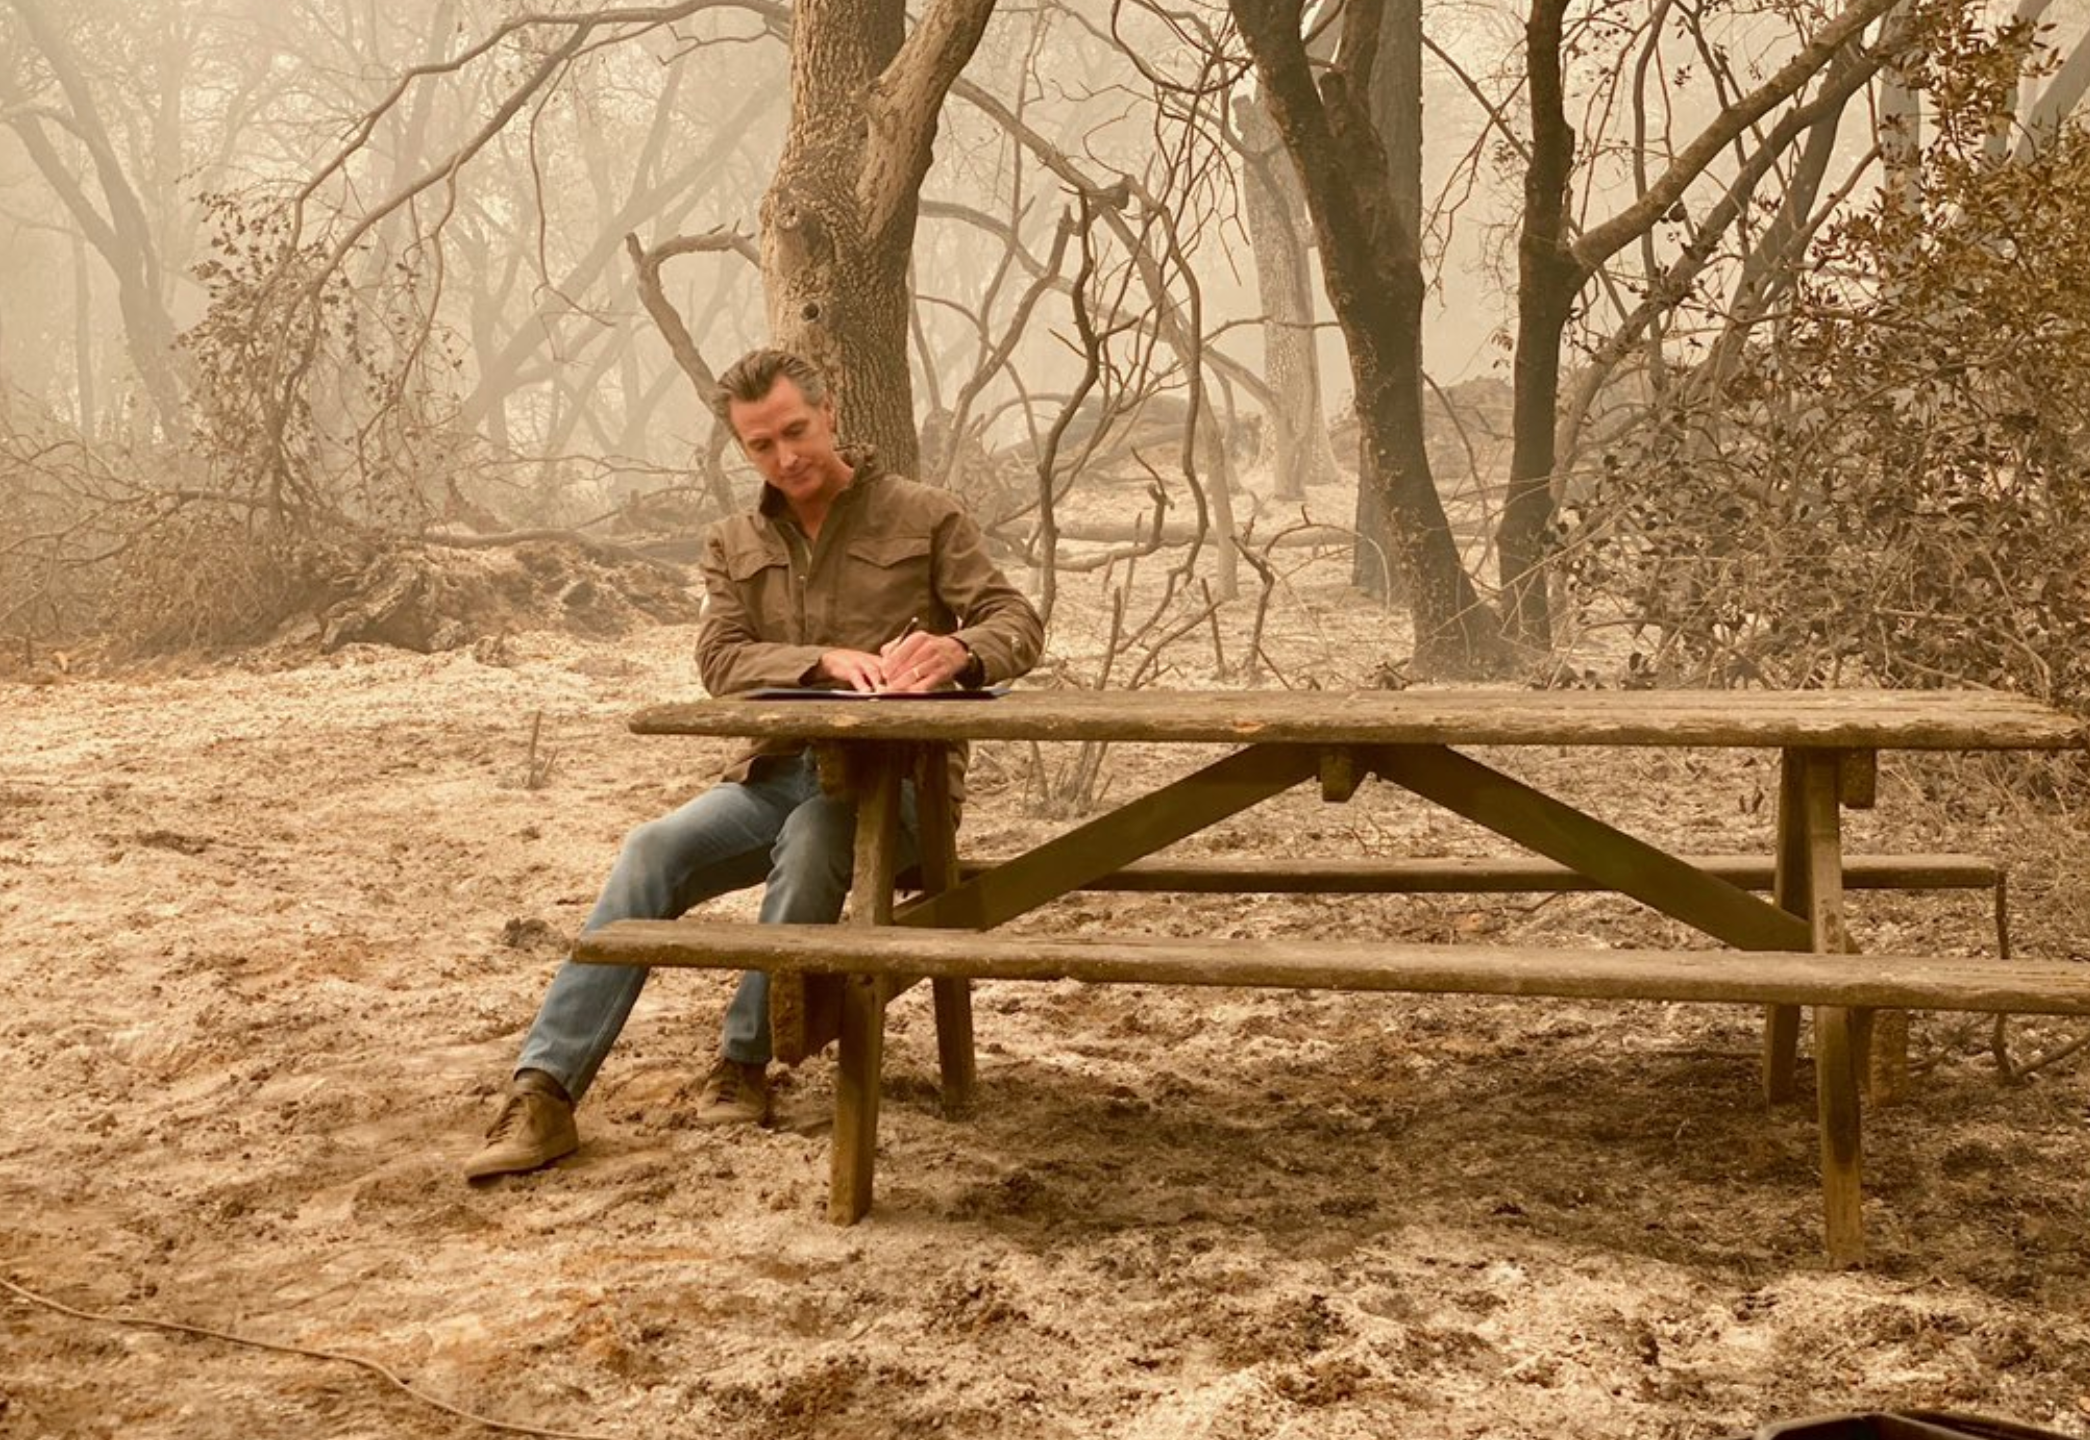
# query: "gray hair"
{"points": [[755, 374]]}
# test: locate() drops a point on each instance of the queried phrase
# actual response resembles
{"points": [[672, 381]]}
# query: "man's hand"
{"points": [[858, 669], [921, 661]]}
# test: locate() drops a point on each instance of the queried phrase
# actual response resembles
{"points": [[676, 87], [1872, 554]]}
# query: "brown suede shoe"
{"points": [[534, 1128], [734, 1094]]}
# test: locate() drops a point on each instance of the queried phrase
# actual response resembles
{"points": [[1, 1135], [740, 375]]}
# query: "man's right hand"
{"points": [[858, 669]]}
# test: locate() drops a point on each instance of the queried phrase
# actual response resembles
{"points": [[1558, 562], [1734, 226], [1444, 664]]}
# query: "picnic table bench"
{"points": [[1791, 951]]}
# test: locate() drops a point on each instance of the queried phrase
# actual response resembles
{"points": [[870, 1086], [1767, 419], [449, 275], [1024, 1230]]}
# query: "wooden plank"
{"points": [[1110, 842], [2045, 987], [861, 1053], [1781, 1023], [1838, 719], [1340, 774], [1886, 1052], [858, 1065], [1836, 1084], [1839, 1043], [936, 821], [1879, 1039], [1614, 859], [2003, 916], [1860, 779], [879, 771], [1821, 836], [1502, 874]]}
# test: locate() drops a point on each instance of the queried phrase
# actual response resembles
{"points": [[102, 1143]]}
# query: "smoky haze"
{"points": [[447, 266], [146, 144]]}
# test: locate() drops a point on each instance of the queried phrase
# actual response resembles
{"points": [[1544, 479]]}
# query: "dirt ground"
{"points": [[270, 932]]}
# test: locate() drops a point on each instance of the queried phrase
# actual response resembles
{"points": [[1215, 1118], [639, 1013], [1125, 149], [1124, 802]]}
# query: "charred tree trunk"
{"points": [[88, 409], [1295, 437], [2063, 93], [1548, 280], [1396, 109], [838, 221], [1374, 281]]}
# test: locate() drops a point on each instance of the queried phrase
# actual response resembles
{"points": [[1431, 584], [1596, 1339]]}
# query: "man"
{"points": [[842, 575]]}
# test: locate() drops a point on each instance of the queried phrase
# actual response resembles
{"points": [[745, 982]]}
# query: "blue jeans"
{"points": [[777, 827]]}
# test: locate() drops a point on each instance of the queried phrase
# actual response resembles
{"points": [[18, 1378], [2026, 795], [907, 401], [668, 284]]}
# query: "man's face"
{"points": [[792, 442]]}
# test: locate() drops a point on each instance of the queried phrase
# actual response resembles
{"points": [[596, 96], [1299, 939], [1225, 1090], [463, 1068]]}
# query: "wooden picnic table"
{"points": [[1828, 742]]}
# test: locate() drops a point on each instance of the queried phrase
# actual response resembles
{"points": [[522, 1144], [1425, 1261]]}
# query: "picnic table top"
{"points": [[1830, 719]]}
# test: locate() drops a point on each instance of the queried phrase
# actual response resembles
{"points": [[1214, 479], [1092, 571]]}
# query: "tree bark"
{"points": [[1396, 110], [838, 222], [87, 411], [1374, 281], [1295, 436], [2056, 102], [1901, 141], [1548, 280]]}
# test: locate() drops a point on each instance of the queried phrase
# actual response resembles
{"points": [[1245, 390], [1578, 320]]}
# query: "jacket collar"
{"points": [[865, 467]]}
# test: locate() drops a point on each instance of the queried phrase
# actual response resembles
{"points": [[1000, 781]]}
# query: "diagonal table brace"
{"points": [[1609, 856], [1110, 842]]}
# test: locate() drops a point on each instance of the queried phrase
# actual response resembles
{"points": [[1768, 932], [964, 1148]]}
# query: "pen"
{"points": [[914, 623]]}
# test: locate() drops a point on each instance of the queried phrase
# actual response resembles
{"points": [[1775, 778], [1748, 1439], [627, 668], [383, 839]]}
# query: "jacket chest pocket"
{"points": [[762, 576], [884, 582]]}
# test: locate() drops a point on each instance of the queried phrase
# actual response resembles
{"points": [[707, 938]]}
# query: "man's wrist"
{"points": [[973, 673]]}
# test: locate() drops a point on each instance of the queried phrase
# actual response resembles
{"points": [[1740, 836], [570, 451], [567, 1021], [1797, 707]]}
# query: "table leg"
{"points": [[936, 817], [1836, 1081], [1885, 1038], [1781, 1023], [861, 1052], [1838, 1033], [860, 1060]]}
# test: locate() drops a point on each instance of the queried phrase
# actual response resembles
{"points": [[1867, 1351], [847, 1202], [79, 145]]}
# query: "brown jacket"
{"points": [[890, 551]]}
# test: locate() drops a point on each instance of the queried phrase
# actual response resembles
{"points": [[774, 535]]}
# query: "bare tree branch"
{"points": [[1596, 245]]}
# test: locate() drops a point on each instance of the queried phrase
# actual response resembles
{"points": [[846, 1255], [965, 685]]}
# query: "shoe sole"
{"points": [[477, 1174], [721, 1120]]}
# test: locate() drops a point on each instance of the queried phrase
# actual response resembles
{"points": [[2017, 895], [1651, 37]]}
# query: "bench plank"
{"points": [[1718, 976], [1506, 875]]}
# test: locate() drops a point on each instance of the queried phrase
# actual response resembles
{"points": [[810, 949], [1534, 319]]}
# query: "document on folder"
{"points": [[798, 692]]}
